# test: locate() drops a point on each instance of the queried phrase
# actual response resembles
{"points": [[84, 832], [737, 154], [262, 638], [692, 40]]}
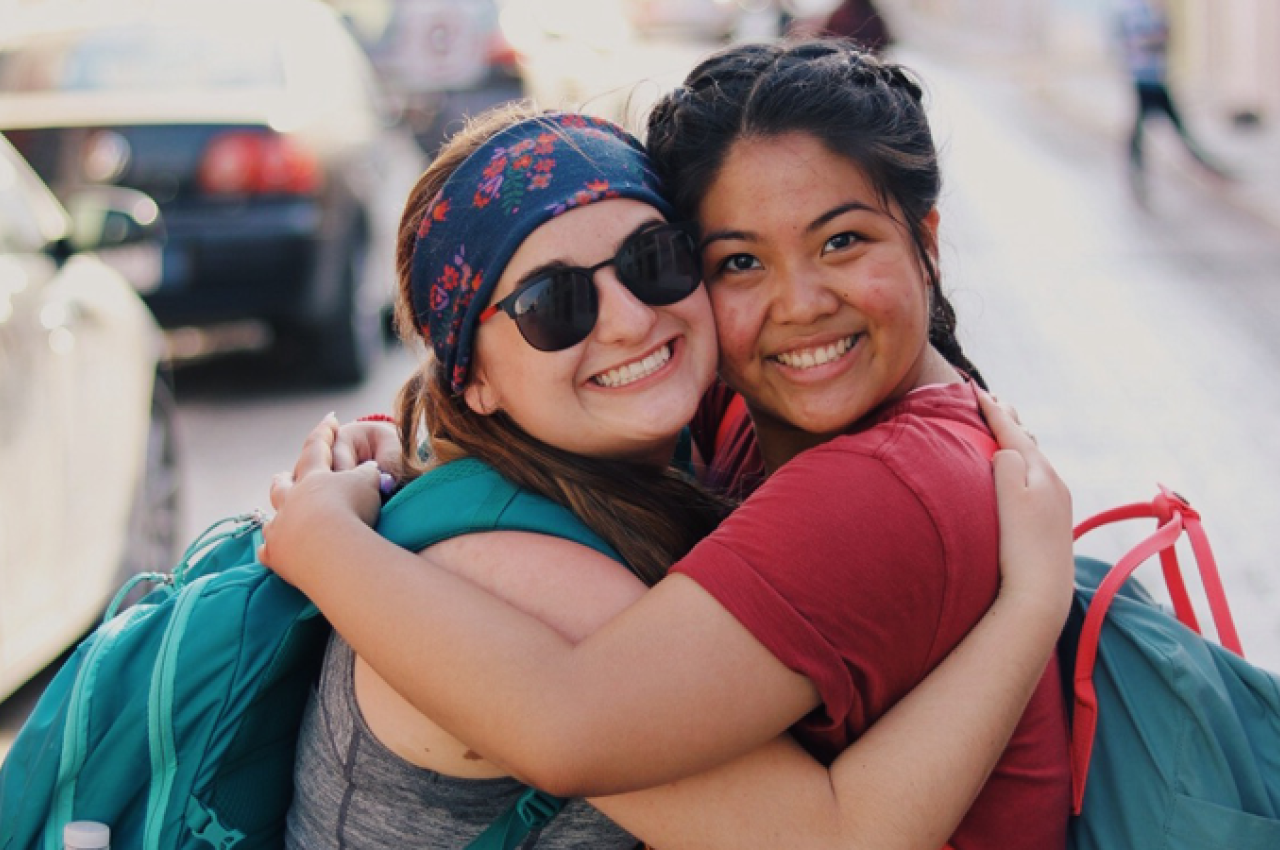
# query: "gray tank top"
{"points": [[351, 792]]}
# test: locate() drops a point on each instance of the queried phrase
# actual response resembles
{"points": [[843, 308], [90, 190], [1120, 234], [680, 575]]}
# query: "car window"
{"points": [[151, 57]]}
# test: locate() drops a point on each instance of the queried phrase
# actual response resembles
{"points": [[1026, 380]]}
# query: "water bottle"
{"points": [[86, 835]]}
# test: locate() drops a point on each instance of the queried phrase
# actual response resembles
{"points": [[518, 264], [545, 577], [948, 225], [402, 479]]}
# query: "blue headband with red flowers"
{"points": [[522, 178]]}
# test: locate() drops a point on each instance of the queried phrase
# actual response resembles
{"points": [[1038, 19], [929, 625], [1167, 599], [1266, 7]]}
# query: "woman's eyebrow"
{"points": [[826, 217], [737, 235], [837, 211], [560, 263], [538, 271]]}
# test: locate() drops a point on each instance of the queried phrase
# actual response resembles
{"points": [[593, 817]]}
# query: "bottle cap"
{"points": [[86, 835]]}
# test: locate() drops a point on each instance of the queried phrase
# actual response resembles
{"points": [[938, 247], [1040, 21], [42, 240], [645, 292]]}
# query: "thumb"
{"points": [[368, 471]]}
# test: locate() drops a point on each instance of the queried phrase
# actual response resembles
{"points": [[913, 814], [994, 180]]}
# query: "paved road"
{"points": [[1140, 346]]}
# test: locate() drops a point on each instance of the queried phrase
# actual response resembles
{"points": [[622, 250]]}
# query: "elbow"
{"points": [[554, 780], [563, 764]]}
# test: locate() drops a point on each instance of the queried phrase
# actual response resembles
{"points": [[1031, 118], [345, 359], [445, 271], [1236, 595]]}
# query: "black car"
{"points": [[259, 129], [88, 460]]}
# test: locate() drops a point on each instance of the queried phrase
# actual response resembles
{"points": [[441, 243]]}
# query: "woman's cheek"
{"points": [[734, 324]]}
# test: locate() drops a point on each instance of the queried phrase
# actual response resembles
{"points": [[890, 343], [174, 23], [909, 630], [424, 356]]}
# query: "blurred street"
{"points": [[1139, 345]]}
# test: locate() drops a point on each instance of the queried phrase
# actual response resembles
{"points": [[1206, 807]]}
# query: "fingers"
{"points": [[345, 451], [317, 449], [370, 473], [1008, 432], [388, 455], [1010, 469], [281, 484]]}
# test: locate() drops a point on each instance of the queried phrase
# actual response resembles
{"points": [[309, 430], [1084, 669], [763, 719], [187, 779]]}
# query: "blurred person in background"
{"points": [[821, 602], [862, 22], [1143, 28]]}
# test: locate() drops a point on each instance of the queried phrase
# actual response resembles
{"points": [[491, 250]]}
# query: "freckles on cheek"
{"points": [[733, 329]]}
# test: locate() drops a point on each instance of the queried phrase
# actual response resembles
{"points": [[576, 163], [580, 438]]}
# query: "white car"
{"points": [[88, 478]]}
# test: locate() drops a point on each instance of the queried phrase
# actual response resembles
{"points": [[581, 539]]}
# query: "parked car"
{"points": [[88, 459], [443, 59], [261, 131]]}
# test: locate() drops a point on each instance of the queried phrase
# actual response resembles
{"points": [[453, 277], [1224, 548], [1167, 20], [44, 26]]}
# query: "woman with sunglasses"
{"points": [[572, 375]]}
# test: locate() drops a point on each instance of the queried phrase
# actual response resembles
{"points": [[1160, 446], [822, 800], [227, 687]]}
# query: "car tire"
{"points": [[347, 346], [152, 544]]}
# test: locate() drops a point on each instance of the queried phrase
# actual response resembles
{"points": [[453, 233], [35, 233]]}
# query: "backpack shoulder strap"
{"points": [[468, 496], [464, 497]]}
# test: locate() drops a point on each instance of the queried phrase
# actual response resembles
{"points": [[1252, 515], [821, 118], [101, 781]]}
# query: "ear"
{"points": [[481, 396]]}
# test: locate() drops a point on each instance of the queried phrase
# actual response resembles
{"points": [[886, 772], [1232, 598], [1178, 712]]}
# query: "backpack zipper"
{"points": [[160, 737], [75, 731]]}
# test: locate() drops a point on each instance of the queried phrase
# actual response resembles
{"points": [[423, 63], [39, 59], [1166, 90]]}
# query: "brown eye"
{"points": [[739, 263], [840, 242]]}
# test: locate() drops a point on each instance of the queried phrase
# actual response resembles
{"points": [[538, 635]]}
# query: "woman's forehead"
{"points": [[793, 178], [579, 237]]}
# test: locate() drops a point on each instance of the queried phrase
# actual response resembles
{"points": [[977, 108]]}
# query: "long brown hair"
{"points": [[651, 516]]}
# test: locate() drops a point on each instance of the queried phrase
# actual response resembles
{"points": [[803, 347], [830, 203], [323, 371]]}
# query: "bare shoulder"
{"points": [[570, 587]]}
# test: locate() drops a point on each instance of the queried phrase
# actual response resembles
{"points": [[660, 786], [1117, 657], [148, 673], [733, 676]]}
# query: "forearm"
{"points": [[776, 796], [404, 618], [912, 777], [628, 708], [906, 783]]}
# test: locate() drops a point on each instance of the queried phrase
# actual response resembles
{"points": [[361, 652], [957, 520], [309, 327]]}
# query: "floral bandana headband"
{"points": [[520, 179]]}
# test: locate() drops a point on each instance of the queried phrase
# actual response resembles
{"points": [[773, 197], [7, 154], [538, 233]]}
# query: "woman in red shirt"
{"points": [[857, 566]]}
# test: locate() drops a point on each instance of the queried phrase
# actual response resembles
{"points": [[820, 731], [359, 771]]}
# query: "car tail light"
{"points": [[249, 163], [501, 53]]}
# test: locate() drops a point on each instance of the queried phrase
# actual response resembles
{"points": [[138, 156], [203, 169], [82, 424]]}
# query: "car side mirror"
{"points": [[105, 217]]}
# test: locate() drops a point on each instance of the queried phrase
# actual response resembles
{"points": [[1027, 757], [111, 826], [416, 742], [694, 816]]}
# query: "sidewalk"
{"points": [[1100, 100]]}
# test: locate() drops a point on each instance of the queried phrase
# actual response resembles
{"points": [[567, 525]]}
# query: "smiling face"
{"points": [[820, 295], [628, 389]]}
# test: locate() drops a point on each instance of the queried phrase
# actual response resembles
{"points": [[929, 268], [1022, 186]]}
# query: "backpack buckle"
{"points": [[204, 824], [536, 808], [1171, 502]]}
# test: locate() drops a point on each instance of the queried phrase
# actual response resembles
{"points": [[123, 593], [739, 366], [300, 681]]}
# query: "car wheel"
{"points": [[348, 345], [152, 544]]}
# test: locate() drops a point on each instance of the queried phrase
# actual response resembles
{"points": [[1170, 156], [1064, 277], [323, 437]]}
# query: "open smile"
{"points": [[636, 370], [820, 355]]}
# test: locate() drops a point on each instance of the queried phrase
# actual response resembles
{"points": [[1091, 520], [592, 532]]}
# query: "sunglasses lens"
{"points": [[660, 266], [557, 311]]}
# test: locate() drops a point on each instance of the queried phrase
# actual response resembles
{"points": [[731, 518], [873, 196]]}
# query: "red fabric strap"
{"points": [[1175, 516]]}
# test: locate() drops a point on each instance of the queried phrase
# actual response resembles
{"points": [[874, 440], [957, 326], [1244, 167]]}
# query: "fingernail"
{"points": [[331, 418], [386, 484]]}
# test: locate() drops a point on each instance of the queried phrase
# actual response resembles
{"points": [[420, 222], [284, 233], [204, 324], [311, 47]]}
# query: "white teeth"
{"points": [[807, 358], [631, 372]]}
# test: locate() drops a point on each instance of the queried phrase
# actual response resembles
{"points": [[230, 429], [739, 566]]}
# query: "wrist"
{"points": [[1039, 612]]}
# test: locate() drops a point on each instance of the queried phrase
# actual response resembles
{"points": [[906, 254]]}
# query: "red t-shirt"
{"points": [[860, 564]]}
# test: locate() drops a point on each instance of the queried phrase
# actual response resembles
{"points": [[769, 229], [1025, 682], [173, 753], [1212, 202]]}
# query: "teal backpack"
{"points": [[176, 721], [1175, 740]]}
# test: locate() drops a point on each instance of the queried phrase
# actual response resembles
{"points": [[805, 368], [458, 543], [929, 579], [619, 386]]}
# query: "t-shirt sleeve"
{"points": [[837, 568]]}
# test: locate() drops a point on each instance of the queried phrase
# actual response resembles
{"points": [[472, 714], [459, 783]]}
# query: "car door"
{"points": [[32, 431], [77, 359]]}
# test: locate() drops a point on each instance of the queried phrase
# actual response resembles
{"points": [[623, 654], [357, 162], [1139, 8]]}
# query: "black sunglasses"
{"points": [[557, 308]]}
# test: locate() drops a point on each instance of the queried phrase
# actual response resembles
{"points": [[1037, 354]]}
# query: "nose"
{"points": [[801, 296], [623, 317]]}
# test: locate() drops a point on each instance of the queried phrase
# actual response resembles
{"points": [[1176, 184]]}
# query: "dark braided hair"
{"points": [[860, 107]]}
